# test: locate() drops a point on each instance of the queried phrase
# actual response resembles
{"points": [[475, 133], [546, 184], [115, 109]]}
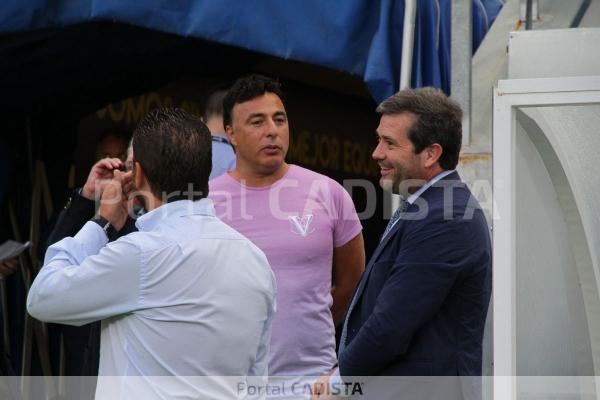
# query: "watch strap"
{"points": [[103, 223]]}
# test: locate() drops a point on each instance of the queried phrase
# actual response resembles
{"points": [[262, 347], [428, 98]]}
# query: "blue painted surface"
{"points": [[361, 37]]}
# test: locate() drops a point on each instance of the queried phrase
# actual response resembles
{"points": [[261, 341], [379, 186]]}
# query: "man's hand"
{"points": [[113, 203], [101, 173], [320, 389], [7, 267]]}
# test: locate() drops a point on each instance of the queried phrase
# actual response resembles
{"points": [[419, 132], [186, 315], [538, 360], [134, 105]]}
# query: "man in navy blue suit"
{"points": [[421, 304]]}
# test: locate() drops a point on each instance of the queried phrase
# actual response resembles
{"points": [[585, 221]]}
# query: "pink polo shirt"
{"points": [[296, 222]]}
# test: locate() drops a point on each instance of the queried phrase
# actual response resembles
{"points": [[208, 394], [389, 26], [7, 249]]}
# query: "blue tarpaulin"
{"points": [[361, 37]]}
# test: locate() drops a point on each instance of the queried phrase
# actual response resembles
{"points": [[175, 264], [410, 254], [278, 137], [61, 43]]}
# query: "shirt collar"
{"points": [[413, 197], [178, 208]]}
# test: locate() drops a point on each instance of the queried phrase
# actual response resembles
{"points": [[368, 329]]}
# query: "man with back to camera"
{"points": [[421, 304], [304, 222], [82, 344], [186, 295]]}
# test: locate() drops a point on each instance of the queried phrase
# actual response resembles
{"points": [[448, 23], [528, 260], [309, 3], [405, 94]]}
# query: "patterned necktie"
{"points": [[401, 208]]}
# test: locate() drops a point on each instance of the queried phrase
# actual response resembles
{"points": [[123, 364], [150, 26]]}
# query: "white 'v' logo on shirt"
{"points": [[301, 226]]}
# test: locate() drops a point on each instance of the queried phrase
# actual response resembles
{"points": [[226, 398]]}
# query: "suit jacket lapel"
{"points": [[365, 276], [374, 257]]}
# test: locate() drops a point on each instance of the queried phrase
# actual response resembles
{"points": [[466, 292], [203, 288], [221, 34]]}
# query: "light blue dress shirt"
{"points": [[223, 156], [185, 296]]}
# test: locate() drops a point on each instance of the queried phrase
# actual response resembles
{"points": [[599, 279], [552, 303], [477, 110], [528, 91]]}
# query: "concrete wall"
{"points": [[557, 240], [490, 64]]}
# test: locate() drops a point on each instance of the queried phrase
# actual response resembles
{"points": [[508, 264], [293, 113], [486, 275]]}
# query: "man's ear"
{"points": [[432, 154], [230, 135], [139, 177]]}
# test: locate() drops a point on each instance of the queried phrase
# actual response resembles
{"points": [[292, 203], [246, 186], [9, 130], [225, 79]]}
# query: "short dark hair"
{"points": [[174, 149], [247, 88], [214, 104], [439, 120]]}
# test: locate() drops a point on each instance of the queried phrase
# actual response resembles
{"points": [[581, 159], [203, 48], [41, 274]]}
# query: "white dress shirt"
{"points": [[413, 197], [185, 296]]}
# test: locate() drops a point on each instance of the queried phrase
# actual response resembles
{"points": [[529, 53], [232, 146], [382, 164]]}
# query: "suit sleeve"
{"points": [[71, 219], [423, 273]]}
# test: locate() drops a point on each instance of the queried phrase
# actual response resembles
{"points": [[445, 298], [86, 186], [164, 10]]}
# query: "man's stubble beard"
{"points": [[394, 185]]}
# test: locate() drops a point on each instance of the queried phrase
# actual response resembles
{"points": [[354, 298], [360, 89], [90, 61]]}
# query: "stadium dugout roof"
{"points": [[96, 51]]}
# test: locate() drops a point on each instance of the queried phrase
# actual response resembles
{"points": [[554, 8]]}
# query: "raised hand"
{"points": [[101, 173], [113, 203]]}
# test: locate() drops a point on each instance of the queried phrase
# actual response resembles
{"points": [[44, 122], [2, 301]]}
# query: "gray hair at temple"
{"points": [[439, 120]]}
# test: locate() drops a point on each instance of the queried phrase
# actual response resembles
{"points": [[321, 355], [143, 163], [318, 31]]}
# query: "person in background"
{"points": [[112, 144], [305, 223], [223, 157]]}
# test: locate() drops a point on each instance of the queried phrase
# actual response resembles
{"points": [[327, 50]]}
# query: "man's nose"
{"points": [[272, 128], [378, 153]]}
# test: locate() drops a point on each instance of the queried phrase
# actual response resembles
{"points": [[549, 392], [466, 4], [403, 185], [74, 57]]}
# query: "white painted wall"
{"points": [[553, 334], [554, 53], [490, 63]]}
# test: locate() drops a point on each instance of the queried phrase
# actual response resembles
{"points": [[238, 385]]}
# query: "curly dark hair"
{"points": [[174, 149], [247, 88], [439, 120]]}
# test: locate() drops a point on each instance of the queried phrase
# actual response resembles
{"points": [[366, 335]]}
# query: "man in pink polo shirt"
{"points": [[303, 221]]}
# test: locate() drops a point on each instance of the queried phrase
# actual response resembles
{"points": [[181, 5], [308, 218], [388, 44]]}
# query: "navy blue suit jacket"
{"points": [[423, 306]]}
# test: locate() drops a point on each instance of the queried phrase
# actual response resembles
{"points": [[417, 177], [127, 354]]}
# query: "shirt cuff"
{"points": [[92, 238]]}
